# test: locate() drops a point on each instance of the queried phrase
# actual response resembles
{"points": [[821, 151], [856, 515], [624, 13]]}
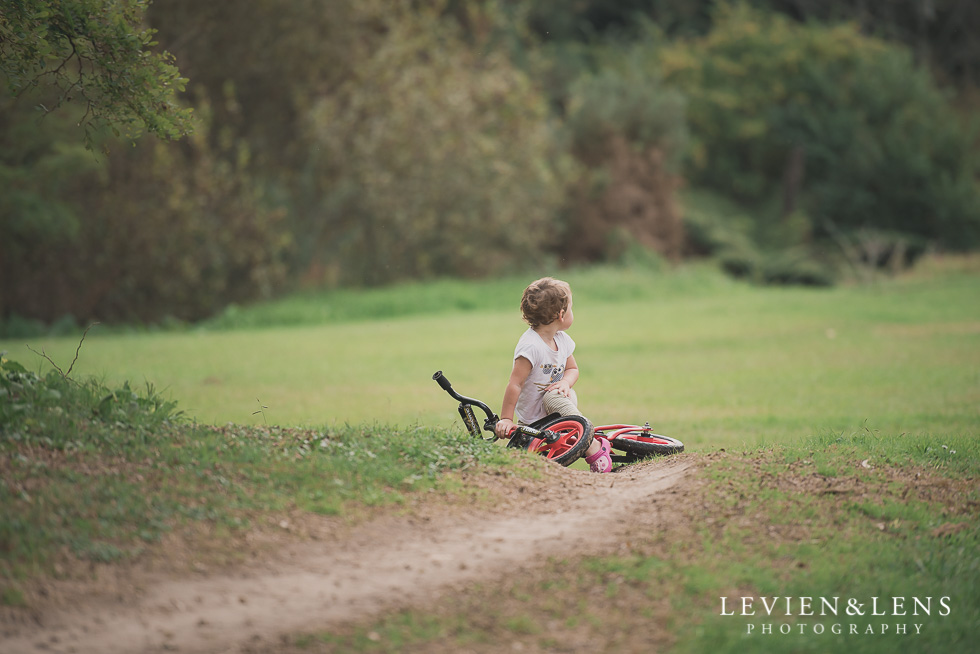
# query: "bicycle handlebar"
{"points": [[443, 381], [491, 422]]}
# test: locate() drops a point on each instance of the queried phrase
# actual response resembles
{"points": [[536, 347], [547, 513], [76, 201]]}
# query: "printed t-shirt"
{"points": [[547, 367]]}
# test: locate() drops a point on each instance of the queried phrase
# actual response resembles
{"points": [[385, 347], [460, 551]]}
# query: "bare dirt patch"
{"points": [[335, 574]]}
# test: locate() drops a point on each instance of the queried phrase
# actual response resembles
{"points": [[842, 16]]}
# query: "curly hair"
{"points": [[544, 300]]}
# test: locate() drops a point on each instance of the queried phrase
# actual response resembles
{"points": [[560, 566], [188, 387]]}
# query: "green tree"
{"points": [[941, 33], [629, 132], [98, 53], [137, 233], [434, 157], [261, 66], [843, 127]]}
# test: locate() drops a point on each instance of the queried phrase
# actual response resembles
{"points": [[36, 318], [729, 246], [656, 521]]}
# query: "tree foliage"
{"points": [[98, 53], [433, 158], [874, 142], [260, 65], [628, 131], [940, 33], [142, 233]]}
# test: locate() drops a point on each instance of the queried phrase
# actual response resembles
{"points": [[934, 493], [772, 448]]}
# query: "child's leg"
{"points": [[556, 403]]}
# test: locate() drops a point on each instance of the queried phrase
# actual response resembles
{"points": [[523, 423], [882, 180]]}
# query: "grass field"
{"points": [[780, 394], [710, 361]]}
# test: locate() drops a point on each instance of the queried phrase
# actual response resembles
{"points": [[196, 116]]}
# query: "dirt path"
{"points": [[385, 564]]}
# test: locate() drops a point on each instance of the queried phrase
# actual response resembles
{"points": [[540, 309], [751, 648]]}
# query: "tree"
{"points": [[144, 232], [941, 33], [629, 131], [99, 53], [844, 128], [432, 158]]}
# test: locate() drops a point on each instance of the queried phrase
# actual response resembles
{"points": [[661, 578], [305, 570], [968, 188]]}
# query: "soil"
{"points": [[321, 574]]}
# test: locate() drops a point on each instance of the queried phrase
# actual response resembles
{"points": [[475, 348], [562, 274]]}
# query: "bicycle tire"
{"points": [[576, 436], [639, 444]]}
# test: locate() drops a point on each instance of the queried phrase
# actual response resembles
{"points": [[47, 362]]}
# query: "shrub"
{"points": [[629, 101], [434, 158], [628, 131], [714, 224], [144, 232], [795, 267], [842, 126], [54, 411], [740, 262]]}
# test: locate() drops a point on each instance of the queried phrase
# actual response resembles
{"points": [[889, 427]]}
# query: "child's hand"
{"points": [[504, 427], [561, 386]]}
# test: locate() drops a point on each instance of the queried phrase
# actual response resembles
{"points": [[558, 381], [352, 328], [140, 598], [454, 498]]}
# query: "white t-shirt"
{"points": [[547, 367]]}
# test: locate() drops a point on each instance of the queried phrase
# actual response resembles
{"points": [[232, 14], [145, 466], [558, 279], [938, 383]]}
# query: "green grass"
{"points": [[704, 359], [102, 473], [901, 528]]}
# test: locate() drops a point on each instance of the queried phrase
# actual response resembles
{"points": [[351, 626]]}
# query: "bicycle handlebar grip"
{"points": [[443, 382]]}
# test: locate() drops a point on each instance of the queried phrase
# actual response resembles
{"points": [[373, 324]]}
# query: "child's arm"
{"points": [[519, 375], [568, 380]]}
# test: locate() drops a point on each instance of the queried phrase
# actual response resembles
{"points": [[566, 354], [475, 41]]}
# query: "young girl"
{"points": [[544, 366]]}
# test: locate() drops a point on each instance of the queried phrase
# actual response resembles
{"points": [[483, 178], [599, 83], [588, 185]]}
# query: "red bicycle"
{"points": [[564, 439]]}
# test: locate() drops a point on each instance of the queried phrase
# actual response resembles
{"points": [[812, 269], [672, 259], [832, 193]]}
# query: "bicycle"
{"points": [[564, 439]]}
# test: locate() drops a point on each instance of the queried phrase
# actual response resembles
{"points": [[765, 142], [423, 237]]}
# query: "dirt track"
{"points": [[382, 565]]}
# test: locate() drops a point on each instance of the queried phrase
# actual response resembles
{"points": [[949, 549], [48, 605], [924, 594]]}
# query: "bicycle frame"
{"points": [[616, 430]]}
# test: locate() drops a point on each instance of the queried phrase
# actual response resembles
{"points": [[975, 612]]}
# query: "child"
{"points": [[544, 366]]}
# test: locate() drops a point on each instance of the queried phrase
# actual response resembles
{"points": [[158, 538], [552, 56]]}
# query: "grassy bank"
{"points": [[93, 474]]}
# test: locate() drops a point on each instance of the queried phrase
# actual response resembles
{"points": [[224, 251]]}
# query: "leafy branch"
{"points": [[121, 81]]}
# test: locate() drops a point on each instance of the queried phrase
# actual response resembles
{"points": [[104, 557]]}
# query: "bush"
{"points": [[795, 267], [630, 102], [627, 131], [740, 263], [841, 126], [434, 158], [717, 227], [714, 224], [144, 232], [54, 411]]}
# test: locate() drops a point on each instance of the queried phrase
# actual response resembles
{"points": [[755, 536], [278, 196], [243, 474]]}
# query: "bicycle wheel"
{"points": [[575, 437], [639, 444]]}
